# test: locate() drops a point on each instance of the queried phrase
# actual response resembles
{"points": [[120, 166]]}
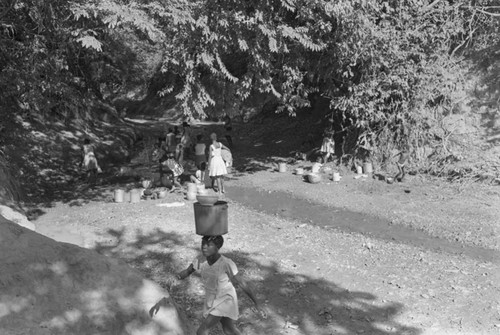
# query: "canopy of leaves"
{"points": [[386, 66]]}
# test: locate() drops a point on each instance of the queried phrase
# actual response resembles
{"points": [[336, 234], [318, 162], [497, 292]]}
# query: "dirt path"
{"points": [[315, 275], [324, 281], [285, 205]]}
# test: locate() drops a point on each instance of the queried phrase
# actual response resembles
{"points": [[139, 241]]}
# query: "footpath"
{"points": [[314, 277]]}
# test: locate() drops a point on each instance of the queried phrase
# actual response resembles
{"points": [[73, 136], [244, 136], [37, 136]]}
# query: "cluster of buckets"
{"points": [[367, 168], [132, 196], [194, 189]]}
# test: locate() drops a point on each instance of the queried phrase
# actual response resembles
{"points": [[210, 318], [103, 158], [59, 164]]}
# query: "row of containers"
{"points": [[211, 218], [367, 168], [132, 196]]}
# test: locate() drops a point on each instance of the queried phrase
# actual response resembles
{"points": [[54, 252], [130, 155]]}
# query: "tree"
{"points": [[386, 66]]}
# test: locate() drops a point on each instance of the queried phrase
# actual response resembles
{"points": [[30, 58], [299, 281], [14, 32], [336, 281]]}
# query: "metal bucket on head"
{"points": [[211, 220]]}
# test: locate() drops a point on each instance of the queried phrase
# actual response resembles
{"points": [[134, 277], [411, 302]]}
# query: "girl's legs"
{"points": [[221, 178], [401, 174], [228, 327], [219, 184], [213, 183], [207, 324], [92, 177]]}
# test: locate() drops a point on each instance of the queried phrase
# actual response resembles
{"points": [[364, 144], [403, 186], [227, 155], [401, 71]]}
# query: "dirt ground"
{"points": [[314, 276]]}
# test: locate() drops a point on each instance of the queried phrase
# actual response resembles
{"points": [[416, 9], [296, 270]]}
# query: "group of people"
{"points": [[173, 149]]}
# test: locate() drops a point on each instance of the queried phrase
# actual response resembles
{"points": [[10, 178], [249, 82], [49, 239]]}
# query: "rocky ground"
{"points": [[316, 276]]}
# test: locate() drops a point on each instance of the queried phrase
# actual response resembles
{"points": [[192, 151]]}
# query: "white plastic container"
{"points": [[367, 168], [119, 193]]}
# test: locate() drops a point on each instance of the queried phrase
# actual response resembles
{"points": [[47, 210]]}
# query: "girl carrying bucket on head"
{"points": [[219, 274]]}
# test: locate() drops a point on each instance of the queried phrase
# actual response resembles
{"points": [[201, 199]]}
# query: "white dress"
{"points": [[89, 159], [217, 164], [328, 146], [220, 294]]}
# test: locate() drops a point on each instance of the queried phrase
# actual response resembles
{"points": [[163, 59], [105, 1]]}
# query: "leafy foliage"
{"points": [[391, 69]]}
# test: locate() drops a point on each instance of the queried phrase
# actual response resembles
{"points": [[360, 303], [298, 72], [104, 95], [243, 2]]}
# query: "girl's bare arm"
{"points": [[186, 272], [239, 280]]}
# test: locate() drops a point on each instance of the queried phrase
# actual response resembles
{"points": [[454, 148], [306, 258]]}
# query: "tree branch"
{"points": [[487, 13], [8, 9]]}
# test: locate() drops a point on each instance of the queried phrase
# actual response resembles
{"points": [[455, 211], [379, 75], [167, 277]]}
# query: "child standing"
{"points": [[328, 146], [171, 142], [89, 162], [404, 156], [217, 166], [200, 151]]}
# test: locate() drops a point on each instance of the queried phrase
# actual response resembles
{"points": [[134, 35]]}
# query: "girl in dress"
{"points": [[217, 166], [89, 162], [328, 146], [218, 274]]}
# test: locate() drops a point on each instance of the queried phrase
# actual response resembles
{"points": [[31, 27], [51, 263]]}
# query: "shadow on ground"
{"points": [[315, 306], [51, 288]]}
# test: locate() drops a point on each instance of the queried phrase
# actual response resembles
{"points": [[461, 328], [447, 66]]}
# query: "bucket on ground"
{"points": [[359, 169], [191, 196], [200, 189], [119, 195], [211, 220], [135, 195], [191, 188], [316, 167], [282, 167], [336, 176], [367, 168]]}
